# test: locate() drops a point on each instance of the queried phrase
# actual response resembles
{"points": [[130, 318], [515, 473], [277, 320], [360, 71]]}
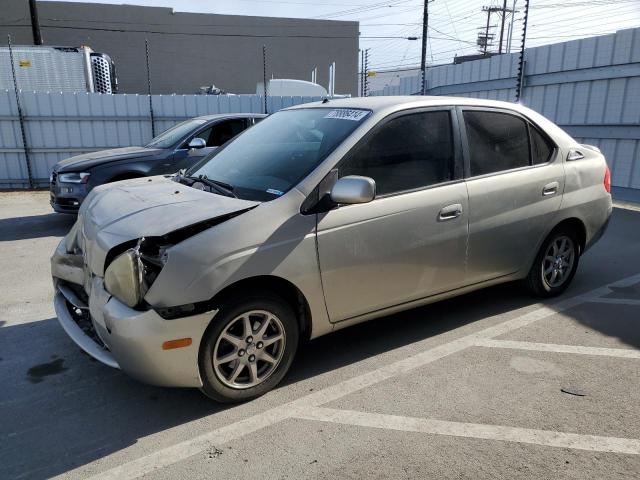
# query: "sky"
{"points": [[454, 24]]}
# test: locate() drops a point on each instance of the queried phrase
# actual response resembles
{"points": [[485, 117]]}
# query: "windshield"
{"points": [[271, 157], [168, 138]]}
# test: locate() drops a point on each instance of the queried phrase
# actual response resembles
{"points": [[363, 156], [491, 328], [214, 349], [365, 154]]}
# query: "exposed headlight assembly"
{"points": [[122, 279], [131, 273], [73, 177]]}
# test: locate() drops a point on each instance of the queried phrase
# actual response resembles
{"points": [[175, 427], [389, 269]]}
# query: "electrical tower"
{"points": [[485, 39]]}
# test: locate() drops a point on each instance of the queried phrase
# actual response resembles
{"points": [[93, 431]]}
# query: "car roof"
{"points": [[389, 104], [222, 116], [381, 103]]}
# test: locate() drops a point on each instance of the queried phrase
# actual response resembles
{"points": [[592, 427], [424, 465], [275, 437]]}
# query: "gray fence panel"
{"points": [[589, 87], [60, 125]]}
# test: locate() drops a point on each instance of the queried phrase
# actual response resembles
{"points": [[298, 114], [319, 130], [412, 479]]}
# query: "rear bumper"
{"points": [[124, 338], [597, 235]]}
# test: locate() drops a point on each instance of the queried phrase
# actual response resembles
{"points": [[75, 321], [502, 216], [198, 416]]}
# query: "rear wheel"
{"points": [[248, 348], [555, 265]]}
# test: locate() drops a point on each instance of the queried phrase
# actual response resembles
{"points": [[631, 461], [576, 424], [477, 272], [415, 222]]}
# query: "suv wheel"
{"points": [[248, 348], [555, 265]]}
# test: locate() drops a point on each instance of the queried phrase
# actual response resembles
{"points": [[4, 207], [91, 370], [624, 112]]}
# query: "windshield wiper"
{"points": [[217, 185]]}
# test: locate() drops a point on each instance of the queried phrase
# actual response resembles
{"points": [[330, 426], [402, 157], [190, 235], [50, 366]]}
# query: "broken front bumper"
{"points": [[122, 337]]}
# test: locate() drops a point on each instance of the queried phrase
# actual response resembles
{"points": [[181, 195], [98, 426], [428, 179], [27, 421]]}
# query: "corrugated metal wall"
{"points": [[59, 125], [589, 87]]}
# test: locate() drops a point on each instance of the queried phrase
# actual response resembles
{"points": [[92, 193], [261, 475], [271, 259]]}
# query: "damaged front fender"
{"points": [[67, 266]]}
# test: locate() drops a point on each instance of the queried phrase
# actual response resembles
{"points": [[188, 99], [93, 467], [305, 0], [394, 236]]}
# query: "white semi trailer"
{"points": [[57, 69]]}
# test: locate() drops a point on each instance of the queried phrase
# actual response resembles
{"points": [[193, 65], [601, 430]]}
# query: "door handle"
{"points": [[550, 189], [450, 212]]}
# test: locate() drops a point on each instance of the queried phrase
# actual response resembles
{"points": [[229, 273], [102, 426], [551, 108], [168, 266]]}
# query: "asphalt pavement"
{"points": [[492, 384]]}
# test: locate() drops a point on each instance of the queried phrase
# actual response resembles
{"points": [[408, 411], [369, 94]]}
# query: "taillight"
{"points": [[607, 179]]}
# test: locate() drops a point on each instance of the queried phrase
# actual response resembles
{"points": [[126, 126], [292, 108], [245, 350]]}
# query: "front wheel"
{"points": [[555, 265], [248, 348]]}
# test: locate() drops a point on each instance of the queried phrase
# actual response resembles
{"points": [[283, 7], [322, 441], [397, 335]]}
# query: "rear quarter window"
{"points": [[541, 146]]}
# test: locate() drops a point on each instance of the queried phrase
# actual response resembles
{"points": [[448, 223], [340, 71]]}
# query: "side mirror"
{"points": [[197, 143], [353, 189]]}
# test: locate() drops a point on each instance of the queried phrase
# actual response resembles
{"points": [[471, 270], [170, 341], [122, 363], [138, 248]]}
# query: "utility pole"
{"points": [[504, 15], [35, 23], [423, 62], [485, 39], [510, 35], [486, 32], [504, 10]]}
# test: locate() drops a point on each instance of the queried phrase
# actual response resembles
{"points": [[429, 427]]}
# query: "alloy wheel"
{"points": [[249, 349], [558, 261]]}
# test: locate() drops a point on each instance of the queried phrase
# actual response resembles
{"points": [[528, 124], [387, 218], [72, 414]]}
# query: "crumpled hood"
{"points": [[144, 207], [91, 159]]}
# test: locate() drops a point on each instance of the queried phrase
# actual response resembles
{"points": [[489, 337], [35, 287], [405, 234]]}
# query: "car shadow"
{"points": [[60, 410], [618, 252], [63, 410], [35, 226], [381, 335]]}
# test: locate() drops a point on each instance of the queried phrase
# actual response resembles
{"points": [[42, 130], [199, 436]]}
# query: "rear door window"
{"points": [[405, 153], [497, 141], [541, 146]]}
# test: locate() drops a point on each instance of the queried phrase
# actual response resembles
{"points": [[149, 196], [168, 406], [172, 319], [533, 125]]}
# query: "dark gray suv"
{"points": [[179, 147]]}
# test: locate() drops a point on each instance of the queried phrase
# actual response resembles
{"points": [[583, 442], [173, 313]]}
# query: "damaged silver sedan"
{"points": [[320, 217]]}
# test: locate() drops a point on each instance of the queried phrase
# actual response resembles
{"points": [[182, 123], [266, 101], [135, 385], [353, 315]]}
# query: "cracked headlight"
{"points": [[123, 279], [129, 276]]}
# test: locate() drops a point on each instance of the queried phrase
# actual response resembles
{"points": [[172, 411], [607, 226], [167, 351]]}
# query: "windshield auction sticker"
{"points": [[347, 114]]}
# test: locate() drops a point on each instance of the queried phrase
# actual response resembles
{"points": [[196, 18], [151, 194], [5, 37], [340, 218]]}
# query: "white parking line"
{"points": [[551, 347], [616, 301], [474, 430], [175, 453]]}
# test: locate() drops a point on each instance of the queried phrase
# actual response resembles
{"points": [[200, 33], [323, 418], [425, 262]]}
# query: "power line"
{"points": [[352, 11], [582, 4]]}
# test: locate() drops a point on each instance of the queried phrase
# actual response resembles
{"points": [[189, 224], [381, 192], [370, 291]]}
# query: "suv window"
{"points": [[541, 147], [225, 131], [405, 153], [498, 141]]}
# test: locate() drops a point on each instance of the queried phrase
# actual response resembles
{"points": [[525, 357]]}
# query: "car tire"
{"points": [[555, 264], [238, 365]]}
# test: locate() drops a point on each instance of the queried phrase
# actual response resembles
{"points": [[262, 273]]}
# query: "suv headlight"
{"points": [[73, 177], [129, 276]]}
